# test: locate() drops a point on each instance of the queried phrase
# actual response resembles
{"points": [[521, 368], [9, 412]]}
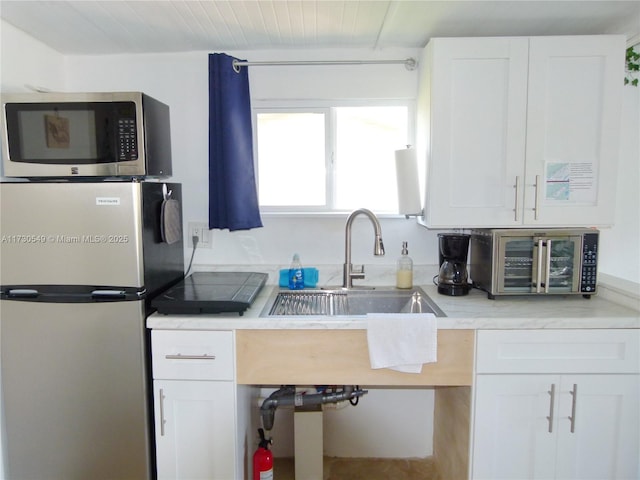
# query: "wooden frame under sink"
{"points": [[330, 357]]}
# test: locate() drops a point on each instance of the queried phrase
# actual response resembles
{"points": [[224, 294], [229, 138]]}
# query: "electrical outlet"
{"points": [[200, 230]]}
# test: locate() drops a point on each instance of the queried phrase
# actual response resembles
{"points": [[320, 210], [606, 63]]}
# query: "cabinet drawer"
{"points": [[558, 351], [192, 355]]}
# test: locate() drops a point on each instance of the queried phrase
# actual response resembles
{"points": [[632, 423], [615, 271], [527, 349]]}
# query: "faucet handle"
{"points": [[357, 271]]}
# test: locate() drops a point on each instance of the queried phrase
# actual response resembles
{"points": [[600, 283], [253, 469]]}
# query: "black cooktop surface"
{"points": [[211, 292]]}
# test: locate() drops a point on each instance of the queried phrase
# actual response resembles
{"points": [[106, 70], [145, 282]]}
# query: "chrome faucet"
{"points": [[348, 273]]}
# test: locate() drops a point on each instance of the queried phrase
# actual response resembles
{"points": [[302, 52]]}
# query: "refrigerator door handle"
{"points": [[23, 293], [108, 294]]}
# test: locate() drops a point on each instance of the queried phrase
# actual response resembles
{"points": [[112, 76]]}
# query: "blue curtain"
{"points": [[233, 197]]}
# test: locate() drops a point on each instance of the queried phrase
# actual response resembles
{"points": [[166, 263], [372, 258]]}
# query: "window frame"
{"points": [[327, 107]]}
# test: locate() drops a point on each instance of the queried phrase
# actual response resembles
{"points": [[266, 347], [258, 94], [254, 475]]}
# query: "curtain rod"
{"points": [[409, 63]]}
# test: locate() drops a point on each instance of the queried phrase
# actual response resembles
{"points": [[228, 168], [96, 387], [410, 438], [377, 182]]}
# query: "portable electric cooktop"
{"points": [[211, 292]]}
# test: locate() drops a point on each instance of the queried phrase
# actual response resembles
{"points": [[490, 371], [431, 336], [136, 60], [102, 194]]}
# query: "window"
{"points": [[292, 159], [330, 158]]}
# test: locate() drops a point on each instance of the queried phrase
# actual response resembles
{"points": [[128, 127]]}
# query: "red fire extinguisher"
{"points": [[263, 459]]}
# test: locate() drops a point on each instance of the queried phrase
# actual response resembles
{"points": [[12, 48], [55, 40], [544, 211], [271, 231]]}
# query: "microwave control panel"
{"points": [[589, 262], [127, 139]]}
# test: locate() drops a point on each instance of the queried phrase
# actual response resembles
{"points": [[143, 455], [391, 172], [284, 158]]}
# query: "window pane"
{"points": [[367, 138], [291, 159]]}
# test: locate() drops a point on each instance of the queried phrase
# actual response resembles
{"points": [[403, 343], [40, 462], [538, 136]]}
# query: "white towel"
{"points": [[402, 342]]}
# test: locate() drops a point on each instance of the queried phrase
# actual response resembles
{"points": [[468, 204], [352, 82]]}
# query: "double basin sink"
{"points": [[349, 302]]}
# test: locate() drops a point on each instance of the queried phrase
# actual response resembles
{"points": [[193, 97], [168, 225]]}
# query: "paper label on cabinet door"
{"points": [[570, 183]]}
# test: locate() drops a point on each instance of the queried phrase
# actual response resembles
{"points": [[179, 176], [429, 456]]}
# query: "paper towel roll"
{"points": [[408, 184]]}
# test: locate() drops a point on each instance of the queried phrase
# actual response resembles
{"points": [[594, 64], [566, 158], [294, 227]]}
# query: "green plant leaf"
{"points": [[631, 67]]}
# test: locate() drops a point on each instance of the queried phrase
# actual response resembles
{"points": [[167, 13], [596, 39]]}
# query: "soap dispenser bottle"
{"points": [[296, 274], [404, 269]]}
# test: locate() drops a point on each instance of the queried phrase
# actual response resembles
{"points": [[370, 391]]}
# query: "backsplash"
{"points": [[331, 275]]}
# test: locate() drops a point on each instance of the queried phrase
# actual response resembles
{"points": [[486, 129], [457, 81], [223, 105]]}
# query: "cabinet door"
{"points": [[476, 104], [195, 430], [573, 117], [603, 411], [514, 427]]}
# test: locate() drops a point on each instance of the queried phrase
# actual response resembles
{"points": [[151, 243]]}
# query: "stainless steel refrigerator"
{"points": [[79, 265]]}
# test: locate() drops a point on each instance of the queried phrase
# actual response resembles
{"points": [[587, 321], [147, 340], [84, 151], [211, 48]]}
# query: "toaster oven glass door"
{"points": [[539, 264]]}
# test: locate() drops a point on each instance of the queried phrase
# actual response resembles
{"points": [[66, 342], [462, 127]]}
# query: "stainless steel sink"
{"points": [[349, 302]]}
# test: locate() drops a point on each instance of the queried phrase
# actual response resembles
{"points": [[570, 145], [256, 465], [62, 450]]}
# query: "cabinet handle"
{"points": [[536, 206], [162, 420], [517, 202], [179, 356], [552, 394], [574, 394]]}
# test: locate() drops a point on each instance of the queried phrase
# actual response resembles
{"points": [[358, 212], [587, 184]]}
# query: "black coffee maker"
{"points": [[453, 278]]}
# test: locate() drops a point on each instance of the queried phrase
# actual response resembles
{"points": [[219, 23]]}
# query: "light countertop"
{"points": [[473, 311]]}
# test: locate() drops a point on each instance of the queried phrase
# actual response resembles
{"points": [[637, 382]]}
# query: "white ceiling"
{"points": [[109, 27]]}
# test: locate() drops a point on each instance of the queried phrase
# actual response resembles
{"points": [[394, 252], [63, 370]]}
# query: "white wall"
{"points": [[26, 61], [620, 245]]}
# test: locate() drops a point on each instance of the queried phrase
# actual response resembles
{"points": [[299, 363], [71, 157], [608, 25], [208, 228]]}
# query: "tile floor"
{"points": [[363, 469]]}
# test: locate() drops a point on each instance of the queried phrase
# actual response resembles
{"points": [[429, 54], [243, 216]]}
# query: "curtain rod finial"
{"points": [[410, 63], [236, 67]]}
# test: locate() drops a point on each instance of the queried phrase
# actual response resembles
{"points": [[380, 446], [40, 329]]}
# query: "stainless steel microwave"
{"points": [[57, 135], [534, 262]]}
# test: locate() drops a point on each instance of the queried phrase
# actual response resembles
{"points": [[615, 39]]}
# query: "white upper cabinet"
{"points": [[573, 128], [520, 131]]}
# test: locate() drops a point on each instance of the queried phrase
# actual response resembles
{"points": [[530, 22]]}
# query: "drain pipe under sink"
{"points": [[286, 396]]}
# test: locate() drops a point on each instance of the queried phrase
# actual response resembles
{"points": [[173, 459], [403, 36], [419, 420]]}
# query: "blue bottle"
{"points": [[296, 274]]}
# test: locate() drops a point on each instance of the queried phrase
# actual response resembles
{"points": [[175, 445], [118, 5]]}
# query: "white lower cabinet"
{"points": [[602, 441], [531, 425], [195, 429], [511, 437], [203, 429]]}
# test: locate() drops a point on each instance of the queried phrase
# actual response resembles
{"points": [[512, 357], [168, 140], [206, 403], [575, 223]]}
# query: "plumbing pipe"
{"points": [[287, 395]]}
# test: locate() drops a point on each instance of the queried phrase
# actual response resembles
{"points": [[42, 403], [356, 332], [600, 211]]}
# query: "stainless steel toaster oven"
{"points": [[534, 262]]}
